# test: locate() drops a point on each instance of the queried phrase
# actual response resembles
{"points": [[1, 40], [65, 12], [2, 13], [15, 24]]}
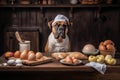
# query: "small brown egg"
{"points": [[75, 61], [24, 55], [31, 57], [29, 52], [68, 60], [39, 55], [17, 54], [8, 54], [69, 57]]}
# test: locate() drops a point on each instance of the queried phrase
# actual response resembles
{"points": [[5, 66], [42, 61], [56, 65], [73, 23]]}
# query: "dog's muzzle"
{"points": [[60, 32]]}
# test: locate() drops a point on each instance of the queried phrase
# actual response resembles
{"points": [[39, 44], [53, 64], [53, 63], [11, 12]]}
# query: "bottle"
{"points": [[73, 1]]}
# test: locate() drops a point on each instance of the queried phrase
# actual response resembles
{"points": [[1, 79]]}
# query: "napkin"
{"points": [[97, 66]]}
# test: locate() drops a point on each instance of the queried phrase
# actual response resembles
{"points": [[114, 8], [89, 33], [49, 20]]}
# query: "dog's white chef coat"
{"points": [[55, 46]]}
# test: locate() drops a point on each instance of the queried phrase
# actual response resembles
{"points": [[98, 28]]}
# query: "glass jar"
{"points": [[24, 46], [73, 1]]}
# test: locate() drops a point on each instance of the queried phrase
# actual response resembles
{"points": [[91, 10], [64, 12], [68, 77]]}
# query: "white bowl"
{"points": [[91, 53]]}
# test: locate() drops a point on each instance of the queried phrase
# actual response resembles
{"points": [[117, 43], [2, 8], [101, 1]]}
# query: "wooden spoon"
{"points": [[18, 37]]}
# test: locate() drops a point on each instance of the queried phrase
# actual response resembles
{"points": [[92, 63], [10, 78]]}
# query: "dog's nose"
{"points": [[61, 29]]}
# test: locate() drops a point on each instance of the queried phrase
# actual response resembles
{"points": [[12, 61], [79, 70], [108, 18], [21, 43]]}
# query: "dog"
{"points": [[58, 40]]}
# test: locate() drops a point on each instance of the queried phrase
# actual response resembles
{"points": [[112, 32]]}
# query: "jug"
{"points": [[24, 46]]}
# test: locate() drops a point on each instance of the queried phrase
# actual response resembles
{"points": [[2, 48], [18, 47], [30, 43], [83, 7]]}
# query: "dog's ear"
{"points": [[69, 23], [50, 24]]}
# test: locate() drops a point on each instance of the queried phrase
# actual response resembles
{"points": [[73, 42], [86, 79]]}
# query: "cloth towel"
{"points": [[97, 66]]}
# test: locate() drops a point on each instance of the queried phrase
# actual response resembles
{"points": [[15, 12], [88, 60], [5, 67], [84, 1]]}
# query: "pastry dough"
{"points": [[77, 55], [59, 55]]}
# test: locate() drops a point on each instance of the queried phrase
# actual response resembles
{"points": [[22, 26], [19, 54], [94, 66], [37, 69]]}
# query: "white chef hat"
{"points": [[60, 17]]}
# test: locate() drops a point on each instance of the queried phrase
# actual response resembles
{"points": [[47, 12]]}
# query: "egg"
{"points": [[75, 61], [38, 55], [19, 65], [32, 57], [68, 60], [18, 61], [30, 52], [8, 54], [4, 64], [17, 54], [11, 62], [24, 55]]}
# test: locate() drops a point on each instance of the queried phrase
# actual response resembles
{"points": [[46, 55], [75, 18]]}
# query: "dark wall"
{"points": [[90, 24]]}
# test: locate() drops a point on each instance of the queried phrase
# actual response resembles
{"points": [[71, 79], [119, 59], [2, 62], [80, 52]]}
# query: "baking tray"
{"points": [[38, 62]]}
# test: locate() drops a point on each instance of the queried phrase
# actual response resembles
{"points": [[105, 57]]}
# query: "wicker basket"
{"points": [[106, 52]]}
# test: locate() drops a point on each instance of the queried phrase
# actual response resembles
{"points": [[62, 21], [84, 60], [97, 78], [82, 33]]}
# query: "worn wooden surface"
{"points": [[90, 24], [57, 71]]}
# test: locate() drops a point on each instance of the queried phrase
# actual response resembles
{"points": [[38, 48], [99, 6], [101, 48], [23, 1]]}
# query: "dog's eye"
{"points": [[58, 24], [64, 25]]}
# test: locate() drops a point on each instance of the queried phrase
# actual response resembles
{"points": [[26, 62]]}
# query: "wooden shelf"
{"points": [[25, 28], [57, 6]]}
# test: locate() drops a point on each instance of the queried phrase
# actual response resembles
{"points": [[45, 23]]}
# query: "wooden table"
{"points": [[58, 71]]}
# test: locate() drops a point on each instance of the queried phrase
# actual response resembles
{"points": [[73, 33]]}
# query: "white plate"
{"points": [[91, 53], [63, 62]]}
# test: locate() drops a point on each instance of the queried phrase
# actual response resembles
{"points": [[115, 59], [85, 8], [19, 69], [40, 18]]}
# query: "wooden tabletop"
{"points": [[54, 66]]}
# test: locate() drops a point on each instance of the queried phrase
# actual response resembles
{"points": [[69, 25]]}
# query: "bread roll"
{"points": [[77, 55], [59, 55]]}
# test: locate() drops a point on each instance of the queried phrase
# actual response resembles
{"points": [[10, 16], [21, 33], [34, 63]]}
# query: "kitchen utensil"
{"points": [[18, 37]]}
